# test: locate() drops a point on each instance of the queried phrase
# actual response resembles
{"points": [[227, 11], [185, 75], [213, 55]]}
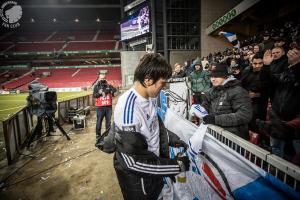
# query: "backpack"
{"points": [[107, 141]]}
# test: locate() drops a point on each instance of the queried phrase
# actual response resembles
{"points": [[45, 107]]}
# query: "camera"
{"points": [[104, 87], [40, 100]]}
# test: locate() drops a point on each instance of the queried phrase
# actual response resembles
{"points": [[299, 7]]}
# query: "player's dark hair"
{"points": [[152, 66]]}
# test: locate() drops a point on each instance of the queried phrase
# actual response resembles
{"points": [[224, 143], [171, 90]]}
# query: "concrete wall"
{"points": [[211, 11], [181, 56], [129, 61]]}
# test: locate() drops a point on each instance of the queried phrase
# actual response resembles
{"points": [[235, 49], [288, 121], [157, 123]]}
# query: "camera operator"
{"points": [[103, 92]]}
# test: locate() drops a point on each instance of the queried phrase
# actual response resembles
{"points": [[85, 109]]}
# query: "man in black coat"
{"points": [[256, 81], [227, 103], [284, 124], [277, 62]]}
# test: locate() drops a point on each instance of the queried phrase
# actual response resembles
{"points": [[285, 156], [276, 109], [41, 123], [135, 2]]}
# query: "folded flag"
{"points": [[198, 111]]}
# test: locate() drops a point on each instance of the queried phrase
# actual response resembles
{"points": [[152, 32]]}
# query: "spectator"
{"points": [[142, 156], [267, 43], [227, 103], [277, 62], [178, 72], [240, 61], [233, 63], [250, 55], [246, 61], [103, 92], [204, 62], [256, 81], [212, 65], [236, 71], [188, 69], [284, 121], [200, 82], [280, 42], [256, 49]]}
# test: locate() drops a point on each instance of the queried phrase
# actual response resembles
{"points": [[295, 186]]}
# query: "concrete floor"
{"points": [[63, 169]]}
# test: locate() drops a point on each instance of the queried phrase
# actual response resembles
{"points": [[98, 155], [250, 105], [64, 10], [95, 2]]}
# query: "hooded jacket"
{"points": [[200, 80], [231, 105]]}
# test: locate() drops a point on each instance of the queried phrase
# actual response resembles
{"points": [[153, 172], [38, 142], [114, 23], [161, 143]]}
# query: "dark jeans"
{"points": [[103, 111]]}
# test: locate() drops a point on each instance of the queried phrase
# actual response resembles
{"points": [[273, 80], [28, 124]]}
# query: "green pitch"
{"points": [[11, 103]]}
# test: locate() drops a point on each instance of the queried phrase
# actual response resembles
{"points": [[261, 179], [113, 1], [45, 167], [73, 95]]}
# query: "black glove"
{"points": [[184, 162], [180, 143], [209, 119]]}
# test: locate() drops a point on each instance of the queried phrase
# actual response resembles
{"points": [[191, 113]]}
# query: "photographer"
{"points": [[103, 92]]}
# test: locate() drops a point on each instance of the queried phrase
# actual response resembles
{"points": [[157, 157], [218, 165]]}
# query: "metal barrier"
{"points": [[79, 102], [283, 170], [18, 127]]}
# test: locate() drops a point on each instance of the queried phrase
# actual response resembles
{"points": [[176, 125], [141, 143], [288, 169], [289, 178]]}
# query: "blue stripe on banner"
{"points": [[194, 167], [283, 187], [128, 109], [191, 149], [261, 189], [131, 119], [172, 153], [124, 114], [161, 111]]}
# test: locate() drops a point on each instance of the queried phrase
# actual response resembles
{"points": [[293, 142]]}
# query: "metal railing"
{"points": [[79, 102], [19, 126], [283, 170]]}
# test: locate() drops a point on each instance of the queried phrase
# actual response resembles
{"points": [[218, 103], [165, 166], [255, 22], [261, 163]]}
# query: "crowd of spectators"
{"points": [[267, 66]]}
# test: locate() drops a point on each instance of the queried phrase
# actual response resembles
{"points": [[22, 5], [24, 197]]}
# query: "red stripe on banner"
{"points": [[207, 170]]}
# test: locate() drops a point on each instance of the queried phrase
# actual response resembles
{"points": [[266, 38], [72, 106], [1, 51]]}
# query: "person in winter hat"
{"points": [[227, 102]]}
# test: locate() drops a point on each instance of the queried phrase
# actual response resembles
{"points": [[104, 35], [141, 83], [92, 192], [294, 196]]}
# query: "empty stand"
{"points": [[5, 45], [69, 78], [28, 36], [106, 36], [73, 35], [38, 46], [59, 77], [73, 46], [25, 78]]}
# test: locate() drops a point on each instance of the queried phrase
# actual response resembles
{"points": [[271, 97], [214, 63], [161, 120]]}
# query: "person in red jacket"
{"points": [[103, 92]]}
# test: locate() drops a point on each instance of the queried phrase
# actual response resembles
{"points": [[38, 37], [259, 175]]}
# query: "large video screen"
{"points": [[136, 24]]}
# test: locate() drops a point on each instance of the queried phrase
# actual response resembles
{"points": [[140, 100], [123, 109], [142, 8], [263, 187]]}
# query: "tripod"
{"points": [[46, 122]]}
